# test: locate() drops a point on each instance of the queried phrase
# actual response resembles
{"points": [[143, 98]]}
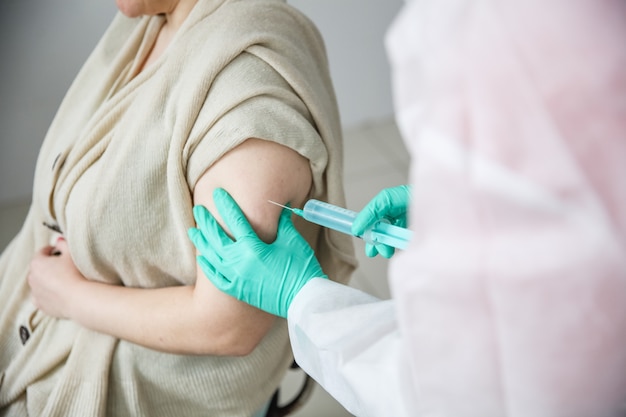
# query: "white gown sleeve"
{"points": [[349, 342]]}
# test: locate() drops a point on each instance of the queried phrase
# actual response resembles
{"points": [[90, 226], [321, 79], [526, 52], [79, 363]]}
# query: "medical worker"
{"points": [[511, 298]]}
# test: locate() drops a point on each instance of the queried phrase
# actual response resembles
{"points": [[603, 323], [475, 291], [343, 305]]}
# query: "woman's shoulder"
{"points": [[260, 19]]}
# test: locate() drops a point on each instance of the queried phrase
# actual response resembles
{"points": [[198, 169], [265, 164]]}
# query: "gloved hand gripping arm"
{"points": [[267, 276]]}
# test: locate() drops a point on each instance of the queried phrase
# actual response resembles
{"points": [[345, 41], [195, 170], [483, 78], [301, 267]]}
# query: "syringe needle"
{"points": [[293, 210], [278, 204]]}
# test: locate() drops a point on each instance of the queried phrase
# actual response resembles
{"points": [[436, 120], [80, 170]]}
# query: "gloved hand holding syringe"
{"points": [[341, 219]]}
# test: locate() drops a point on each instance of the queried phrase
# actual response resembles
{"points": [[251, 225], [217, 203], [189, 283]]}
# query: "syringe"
{"points": [[341, 219]]}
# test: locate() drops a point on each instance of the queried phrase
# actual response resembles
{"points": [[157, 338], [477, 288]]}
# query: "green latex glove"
{"points": [[267, 276], [391, 204]]}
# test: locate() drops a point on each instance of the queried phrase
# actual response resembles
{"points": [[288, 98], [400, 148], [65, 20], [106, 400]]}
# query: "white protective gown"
{"points": [[511, 300]]}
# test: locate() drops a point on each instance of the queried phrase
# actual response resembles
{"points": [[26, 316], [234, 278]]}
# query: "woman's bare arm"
{"points": [[195, 319]]}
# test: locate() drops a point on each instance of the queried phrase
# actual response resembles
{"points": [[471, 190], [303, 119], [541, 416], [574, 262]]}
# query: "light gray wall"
{"points": [[354, 32], [43, 43]]}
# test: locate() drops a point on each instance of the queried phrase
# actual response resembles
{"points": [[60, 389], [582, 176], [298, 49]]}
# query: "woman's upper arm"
{"points": [[253, 173]]}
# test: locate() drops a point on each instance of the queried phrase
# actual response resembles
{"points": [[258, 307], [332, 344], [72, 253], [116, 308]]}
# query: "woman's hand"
{"points": [[53, 278]]}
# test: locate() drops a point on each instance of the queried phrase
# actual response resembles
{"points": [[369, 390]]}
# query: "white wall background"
{"points": [[43, 43]]}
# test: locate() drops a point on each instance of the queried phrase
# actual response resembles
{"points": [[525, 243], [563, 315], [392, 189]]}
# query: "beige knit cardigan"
{"points": [[116, 173]]}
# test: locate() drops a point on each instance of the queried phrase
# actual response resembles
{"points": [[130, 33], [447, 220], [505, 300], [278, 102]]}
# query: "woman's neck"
{"points": [[174, 19]]}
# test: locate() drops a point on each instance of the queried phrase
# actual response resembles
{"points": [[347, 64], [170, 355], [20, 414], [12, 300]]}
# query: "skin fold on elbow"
{"points": [[235, 342], [225, 326], [230, 342]]}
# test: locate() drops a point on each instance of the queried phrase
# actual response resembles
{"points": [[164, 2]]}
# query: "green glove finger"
{"points": [[198, 239], [219, 281], [389, 203], [385, 251], [374, 211], [397, 200], [286, 229], [290, 237], [210, 228], [370, 250], [400, 222], [373, 249], [208, 269], [231, 214], [215, 257]]}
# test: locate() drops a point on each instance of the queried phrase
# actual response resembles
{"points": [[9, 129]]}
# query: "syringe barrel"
{"points": [[341, 219], [327, 215]]}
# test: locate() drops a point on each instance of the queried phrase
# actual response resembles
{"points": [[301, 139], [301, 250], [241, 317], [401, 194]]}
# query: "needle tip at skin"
{"points": [[278, 204]]}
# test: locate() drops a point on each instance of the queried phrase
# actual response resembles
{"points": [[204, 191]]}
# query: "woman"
{"points": [[178, 98]]}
